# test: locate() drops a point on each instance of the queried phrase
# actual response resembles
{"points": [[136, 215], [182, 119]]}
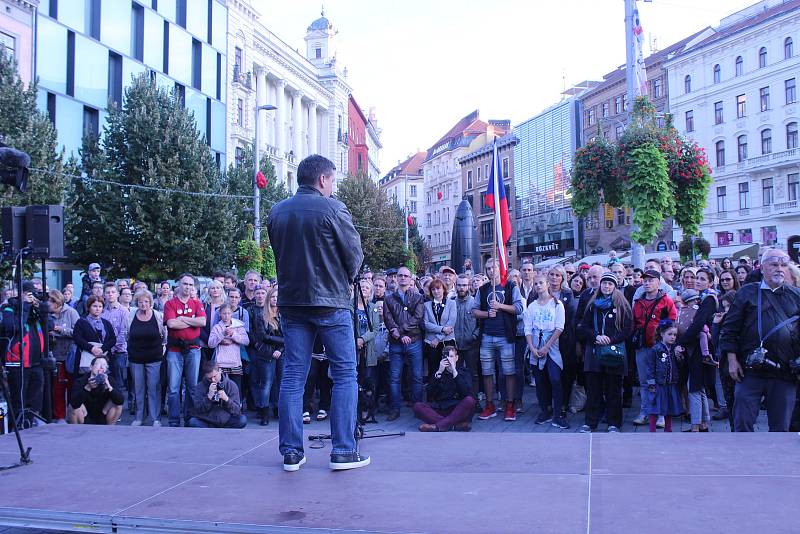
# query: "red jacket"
{"points": [[664, 309]]}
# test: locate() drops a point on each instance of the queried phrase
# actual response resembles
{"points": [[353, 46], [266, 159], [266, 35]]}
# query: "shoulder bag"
{"points": [[612, 355]]}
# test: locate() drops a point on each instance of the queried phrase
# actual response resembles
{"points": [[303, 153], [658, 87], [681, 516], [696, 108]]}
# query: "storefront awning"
{"points": [[602, 259], [735, 251]]}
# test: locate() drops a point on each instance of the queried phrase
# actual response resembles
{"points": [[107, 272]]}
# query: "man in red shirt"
{"points": [[184, 316]]}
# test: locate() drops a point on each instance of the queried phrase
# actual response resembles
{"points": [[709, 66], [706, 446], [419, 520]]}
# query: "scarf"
{"points": [[603, 303], [97, 324]]}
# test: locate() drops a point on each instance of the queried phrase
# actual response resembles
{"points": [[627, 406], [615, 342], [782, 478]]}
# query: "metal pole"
{"points": [[637, 250], [405, 206], [256, 190]]}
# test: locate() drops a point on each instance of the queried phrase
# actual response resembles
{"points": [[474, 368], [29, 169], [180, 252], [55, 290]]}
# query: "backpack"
{"points": [[685, 317]]}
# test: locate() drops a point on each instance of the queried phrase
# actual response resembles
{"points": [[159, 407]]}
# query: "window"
{"points": [[71, 63], [744, 195], [769, 235], [724, 239], [115, 79], [721, 194], [720, 146], [658, 88], [604, 109], [197, 64], [793, 185], [788, 48], [620, 216], [93, 18], [412, 206], [91, 122], [762, 57], [741, 106], [767, 192], [741, 147], [137, 31], [687, 84], [7, 44], [505, 168], [739, 70], [791, 94], [428, 221], [413, 192], [180, 94], [237, 60], [486, 171], [624, 102], [690, 121], [487, 231], [238, 156], [618, 105], [478, 168], [766, 141], [619, 131], [717, 73], [590, 118], [484, 208], [51, 108], [763, 95], [791, 135], [180, 16], [165, 50], [240, 112], [718, 118], [745, 236]]}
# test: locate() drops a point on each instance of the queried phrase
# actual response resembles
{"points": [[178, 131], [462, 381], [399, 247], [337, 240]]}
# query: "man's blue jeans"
{"points": [[335, 329], [398, 355], [262, 373], [183, 368]]}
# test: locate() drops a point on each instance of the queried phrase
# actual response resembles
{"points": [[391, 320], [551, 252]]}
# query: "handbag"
{"points": [[87, 357], [612, 355]]}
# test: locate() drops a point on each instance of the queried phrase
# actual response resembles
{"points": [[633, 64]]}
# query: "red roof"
{"points": [[471, 125], [412, 165]]}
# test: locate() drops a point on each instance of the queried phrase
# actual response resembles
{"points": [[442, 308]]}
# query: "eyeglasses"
{"points": [[726, 279], [404, 276]]}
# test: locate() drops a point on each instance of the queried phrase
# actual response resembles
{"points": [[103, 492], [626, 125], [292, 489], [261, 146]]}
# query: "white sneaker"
{"points": [[61, 422], [641, 420], [156, 423], [137, 422], [660, 422]]}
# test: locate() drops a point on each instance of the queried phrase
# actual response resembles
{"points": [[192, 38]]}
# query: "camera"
{"points": [[794, 366], [100, 381], [220, 386], [759, 360]]}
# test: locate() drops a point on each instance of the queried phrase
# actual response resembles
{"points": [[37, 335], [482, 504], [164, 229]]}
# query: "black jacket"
{"points": [[586, 334], [446, 391], [96, 399], [739, 333], [83, 333], [317, 250], [215, 413]]}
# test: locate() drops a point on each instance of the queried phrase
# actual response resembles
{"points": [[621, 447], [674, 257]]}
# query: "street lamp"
{"points": [[256, 190]]}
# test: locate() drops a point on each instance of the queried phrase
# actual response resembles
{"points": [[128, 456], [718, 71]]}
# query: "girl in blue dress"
{"points": [[663, 365]]}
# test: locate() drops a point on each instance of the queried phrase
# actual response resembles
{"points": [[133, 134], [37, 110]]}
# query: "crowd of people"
{"points": [[449, 346]]}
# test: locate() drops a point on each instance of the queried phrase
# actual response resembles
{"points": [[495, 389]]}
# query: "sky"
{"points": [[425, 64]]}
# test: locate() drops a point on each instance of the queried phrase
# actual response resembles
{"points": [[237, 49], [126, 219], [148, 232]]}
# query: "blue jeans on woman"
{"points": [[336, 333], [262, 374]]}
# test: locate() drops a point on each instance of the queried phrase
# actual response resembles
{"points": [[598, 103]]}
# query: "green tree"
{"points": [[378, 221], [151, 141]]}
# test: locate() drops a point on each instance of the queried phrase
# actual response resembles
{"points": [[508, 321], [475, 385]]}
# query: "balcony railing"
{"points": [[242, 78], [776, 157]]}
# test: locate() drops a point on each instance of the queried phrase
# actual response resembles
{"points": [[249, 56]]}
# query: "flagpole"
{"points": [[637, 250], [498, 230]]}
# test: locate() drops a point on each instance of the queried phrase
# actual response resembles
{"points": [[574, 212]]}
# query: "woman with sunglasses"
{"points": [[728, 282]]}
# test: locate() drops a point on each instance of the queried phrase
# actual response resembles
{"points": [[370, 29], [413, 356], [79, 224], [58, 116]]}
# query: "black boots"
{"points": [[263, 413]]}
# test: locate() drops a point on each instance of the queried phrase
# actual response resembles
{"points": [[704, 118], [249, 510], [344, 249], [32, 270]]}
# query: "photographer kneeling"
{"points": [[216, 401], [761, 339], [451, 401], [95, 399]]}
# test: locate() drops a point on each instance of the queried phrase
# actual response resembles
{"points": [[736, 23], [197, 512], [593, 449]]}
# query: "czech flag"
{"points": [[496, 200]]}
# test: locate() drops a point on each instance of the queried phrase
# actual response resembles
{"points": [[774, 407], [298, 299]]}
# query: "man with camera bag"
{"points": [[317, 254], [216, 401], [761, 338], [95, 398]]}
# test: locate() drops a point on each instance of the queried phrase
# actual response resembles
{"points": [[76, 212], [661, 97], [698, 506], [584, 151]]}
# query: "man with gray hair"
{"points": [[761, 339]]}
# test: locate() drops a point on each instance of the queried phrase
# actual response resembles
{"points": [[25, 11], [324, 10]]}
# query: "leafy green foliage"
{"points": [[691, 178], [593, 176], [702, 248], [647, 188], [249, 256], [269, 269]]}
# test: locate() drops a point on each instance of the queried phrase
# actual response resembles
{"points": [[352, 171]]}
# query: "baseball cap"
{"points": [[93, 266], [447, 269], [391, 270], [651, 273]]}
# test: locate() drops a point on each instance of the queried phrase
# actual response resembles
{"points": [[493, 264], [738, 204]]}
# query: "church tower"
{"points": [[320, 42]]}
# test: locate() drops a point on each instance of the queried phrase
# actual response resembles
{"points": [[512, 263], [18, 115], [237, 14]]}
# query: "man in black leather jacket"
{"points": [[317, 254], [740, 337]]}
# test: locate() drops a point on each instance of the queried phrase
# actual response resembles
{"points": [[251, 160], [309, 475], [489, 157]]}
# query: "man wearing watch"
{"points": [[451, 402]]}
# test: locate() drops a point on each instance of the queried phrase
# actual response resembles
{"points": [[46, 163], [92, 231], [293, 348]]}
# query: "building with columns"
{"points": [[309, 89], [735, 93]]}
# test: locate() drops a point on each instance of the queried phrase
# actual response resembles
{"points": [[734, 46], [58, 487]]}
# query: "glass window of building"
{"points": [[618, 105], [153, 40], [739, 66], [197, 18], [791, 135], [741, 147], [746, 235], [90, 64], [687, 84], [718, 118], [180, 55], [767, 192], [208, 75], [624, 102], [790, 91], [115, 26], [72, 14], [658, 88], [741, 106], [240, 112], [469, 179], [487, 231], [413, 191], [720, 150], [793, 185], [721, 195], [766, 141], [114, 79], [137, 31], [744, 195], [180, 13], [505, 168], [51, 68], [769, 235], [763, 95], [762, 57], [7, 45], [788, 48], [717, 73], [239, 156], [91, 122], [605, 109], [690, 121]]}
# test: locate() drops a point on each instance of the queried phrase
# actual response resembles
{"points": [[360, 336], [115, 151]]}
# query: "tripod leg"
{"points": [[24, 454]]}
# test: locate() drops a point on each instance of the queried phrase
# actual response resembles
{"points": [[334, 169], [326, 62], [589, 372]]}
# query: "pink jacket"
{"points": [[228, 355]]}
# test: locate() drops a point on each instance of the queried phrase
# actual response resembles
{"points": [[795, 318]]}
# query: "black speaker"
{"points": [[13, 231], [45, 231]]}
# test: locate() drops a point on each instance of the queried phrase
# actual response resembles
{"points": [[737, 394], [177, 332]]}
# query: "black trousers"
{"points": [[598, 385], [318, 377], [27, 389]]}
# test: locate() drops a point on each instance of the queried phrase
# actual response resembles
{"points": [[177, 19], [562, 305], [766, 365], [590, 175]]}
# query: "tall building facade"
{"points": [[605, 112], [310, 91], [735, 93], [403, 185], [442, 173], [374, 146], [546, 225], [357, 162], [475, 173], [87, 52], [17, 21]]}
